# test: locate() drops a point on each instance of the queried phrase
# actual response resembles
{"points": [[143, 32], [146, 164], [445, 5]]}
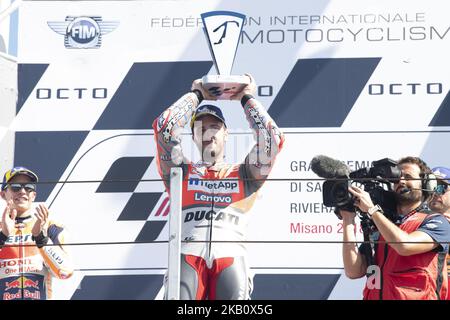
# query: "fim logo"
{"points": [[83, 32]]}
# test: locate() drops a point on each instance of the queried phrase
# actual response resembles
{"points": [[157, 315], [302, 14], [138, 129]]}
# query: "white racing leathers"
{"points": [[216, 202]]}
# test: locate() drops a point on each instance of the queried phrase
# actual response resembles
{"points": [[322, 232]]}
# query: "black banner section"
{"points": [[442, 116], [28, 76], [124, 174], [147, 90], [48, 154], [321, 92]]}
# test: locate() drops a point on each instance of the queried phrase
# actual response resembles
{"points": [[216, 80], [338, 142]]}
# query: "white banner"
{"points": [[354, 80]]}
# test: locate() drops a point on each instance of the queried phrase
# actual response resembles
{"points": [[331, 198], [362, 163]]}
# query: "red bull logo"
{"points": [[26, 295], [12, 285], [28, 283], [22, 283]]}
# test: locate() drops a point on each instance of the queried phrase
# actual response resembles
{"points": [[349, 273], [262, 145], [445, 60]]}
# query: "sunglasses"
{"points": [[441, 189], [16, 187]]}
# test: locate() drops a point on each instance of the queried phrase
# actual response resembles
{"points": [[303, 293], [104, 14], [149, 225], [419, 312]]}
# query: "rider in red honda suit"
{"points": [[215, 209], [31, 251]]}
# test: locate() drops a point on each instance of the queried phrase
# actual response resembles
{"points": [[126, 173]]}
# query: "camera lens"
{"points": [[340, 193]]}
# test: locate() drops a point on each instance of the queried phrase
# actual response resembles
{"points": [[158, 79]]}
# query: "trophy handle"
{"points": [[224, 86]]}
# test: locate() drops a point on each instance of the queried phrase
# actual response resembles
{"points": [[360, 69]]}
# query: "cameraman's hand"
{"points": [[362, 198], [198, 85], [248, 89], [348, 217]]}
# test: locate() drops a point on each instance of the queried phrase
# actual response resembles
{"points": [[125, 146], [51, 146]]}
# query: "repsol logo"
{"points": [[56, 257], [209, 198], [209, 215], [377, 89], [71, 93], [19, 239], [216, 186]]}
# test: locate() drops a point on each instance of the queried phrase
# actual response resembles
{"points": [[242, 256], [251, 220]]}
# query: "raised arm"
{"points": [[55, 256], [355, 265], [169, 126], [49, 238], [269, 139], [422, 240]]}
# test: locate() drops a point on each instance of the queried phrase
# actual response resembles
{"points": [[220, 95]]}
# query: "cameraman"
{"points": [[409, 254]]}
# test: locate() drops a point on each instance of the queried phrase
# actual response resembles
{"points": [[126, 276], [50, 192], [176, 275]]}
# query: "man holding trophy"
{"points": [[216, 195]]}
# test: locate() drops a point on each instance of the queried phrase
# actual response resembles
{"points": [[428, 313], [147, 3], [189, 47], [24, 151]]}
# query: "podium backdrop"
{"points": [[354, 80]]}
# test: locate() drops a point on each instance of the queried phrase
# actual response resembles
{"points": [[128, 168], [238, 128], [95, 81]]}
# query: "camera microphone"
{"points": [[326, 167], [405, 190]]}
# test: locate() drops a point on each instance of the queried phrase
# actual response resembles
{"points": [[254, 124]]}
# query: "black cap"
{"points": [[208, 109]]}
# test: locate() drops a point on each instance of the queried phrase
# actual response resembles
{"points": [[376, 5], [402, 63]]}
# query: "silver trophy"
{"points": [[223, 31]]}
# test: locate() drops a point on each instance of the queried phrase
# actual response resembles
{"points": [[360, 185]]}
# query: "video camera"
{"points": [[377, 181]]}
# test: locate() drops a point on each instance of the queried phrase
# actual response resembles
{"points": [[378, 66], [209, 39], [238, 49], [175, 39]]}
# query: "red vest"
{"points": [[417, 277]]}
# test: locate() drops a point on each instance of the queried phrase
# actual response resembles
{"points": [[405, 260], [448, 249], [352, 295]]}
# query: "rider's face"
{"points": [[210, 135]]}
